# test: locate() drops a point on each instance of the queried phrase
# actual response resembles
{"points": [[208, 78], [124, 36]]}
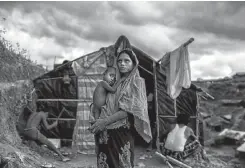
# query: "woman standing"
{"points": [[124, 111]]}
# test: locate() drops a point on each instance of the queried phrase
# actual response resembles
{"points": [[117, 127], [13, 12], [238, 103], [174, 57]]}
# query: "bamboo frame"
{"points": [[77, 59]]}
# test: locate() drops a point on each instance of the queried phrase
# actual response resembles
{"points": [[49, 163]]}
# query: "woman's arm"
{"points": [[116, 116], [101, 124], [190, 133]]}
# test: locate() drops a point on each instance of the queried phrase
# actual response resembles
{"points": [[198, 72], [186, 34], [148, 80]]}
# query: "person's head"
{"points": [[110, 75], [183, 119], [126, 61]]}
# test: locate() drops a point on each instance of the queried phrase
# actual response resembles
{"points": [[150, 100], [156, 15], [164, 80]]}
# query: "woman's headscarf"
{"points": [[132, 98]]}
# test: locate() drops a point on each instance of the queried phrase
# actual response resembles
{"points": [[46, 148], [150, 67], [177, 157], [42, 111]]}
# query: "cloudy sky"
{"points": [[68, 30]]}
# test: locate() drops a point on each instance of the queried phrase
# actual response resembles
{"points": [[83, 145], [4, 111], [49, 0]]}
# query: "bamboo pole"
{"points": [[185, 44], [62, 119], [175, 109], [67, 100], [173, 116], [175, 161], [188, 42], [62, 111], [146, 70], [156, 104], [165, 159], [197, 117]]}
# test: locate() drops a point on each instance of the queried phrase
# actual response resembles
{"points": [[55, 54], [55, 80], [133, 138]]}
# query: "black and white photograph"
{"points": [[122, 84]]}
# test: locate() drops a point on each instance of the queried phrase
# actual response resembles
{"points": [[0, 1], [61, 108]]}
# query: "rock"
{"points": [[140, 164], [47, 165]]}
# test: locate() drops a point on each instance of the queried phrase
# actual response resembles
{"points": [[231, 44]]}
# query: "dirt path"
{"points": [[222, 157]]}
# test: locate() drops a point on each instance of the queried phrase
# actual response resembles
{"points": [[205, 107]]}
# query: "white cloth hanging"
{"points": [[178, 72]]}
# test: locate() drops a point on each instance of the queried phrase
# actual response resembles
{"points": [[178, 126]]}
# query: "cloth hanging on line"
{"points": [[178, 73]]}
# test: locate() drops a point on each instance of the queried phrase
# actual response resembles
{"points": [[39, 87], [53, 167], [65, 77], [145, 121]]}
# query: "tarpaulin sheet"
{"points": [[94, 63], [52, 86], [64, 130], [56, 89], [58, 71], [83, 140]]}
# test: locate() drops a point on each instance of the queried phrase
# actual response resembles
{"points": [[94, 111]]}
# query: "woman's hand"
{"points": [[98, 126]]}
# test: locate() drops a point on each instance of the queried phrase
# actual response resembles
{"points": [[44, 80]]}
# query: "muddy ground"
{"points": [[221, 157]]}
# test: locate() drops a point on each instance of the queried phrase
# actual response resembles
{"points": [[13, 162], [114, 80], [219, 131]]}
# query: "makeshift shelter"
{"points": [[55, 94], [217, 123]]}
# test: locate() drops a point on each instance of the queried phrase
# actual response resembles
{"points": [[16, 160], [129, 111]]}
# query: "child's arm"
{"points": [[112, 89], [46, 125]]}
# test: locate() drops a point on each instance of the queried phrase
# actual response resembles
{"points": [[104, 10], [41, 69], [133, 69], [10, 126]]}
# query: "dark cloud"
{"points": [[59, 16], [217, 27], [221, 18], [127, 15]]}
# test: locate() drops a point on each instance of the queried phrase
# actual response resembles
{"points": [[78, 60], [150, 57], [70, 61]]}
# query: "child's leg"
{"points": [[96, 112], [50, 145]]}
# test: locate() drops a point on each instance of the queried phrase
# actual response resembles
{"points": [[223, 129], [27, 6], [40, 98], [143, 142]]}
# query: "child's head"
{"points": [[183, 119], [110, 75]]}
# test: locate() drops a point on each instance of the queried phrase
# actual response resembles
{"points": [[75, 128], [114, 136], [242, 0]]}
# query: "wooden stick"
{"points": [[67, 100], [209, 95], [156, 105], [185, 44], [60, 113], [173, 116], [165, 159], [146, 70], [203, 97], [175, 108], [188, 42], [197, 116], [172, 160], [64, 119]]}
